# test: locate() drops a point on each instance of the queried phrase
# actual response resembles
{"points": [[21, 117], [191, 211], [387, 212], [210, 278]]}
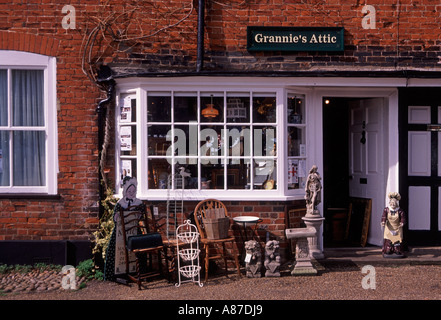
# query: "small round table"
{"points": [[247, 222]]}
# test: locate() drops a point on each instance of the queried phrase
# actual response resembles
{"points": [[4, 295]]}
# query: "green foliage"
{"points": [[102, 235], [4, 268], [87, 270], [43, 266], [20, 268]]}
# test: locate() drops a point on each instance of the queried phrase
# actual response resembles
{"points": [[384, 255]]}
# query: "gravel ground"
{"points": [[333, 282]]}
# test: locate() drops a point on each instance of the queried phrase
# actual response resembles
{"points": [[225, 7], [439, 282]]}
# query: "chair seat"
{"points": [[218, 240], [144, 241]]}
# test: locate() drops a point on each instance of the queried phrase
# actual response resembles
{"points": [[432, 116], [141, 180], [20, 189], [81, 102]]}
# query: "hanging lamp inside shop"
{"points": [[210, 111]]}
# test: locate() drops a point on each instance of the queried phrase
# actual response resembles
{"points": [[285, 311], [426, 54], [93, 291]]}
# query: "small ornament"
{"points": [[392, 222]]}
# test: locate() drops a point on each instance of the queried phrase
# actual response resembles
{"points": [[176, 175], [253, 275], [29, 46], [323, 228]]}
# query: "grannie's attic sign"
{"points": [[295, 38]]}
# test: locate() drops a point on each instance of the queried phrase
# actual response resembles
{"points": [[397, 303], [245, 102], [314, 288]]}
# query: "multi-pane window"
{"points": [[296, 126], [226, 141], [24, 129]]}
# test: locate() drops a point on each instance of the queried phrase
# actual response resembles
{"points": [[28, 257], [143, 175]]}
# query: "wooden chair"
{"points": [[141, 240], [209, 245]]}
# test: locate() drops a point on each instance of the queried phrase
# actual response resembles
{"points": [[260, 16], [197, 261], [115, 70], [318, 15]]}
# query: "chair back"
{"points": [[134, 220], [208, 209]]}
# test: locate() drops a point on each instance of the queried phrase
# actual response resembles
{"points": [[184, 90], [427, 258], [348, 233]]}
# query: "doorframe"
{"points": [[390, 134]]}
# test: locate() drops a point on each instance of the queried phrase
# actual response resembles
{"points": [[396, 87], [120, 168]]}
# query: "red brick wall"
{"points": [[36, 27], [407, 37]]}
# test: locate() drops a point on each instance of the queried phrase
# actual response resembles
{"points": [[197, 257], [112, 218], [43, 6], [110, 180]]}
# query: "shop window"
{"points": [[223, 142], [296, 167], [27, 124]]}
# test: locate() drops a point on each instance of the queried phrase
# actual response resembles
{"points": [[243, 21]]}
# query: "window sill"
{"points": [[30, 196], [223, 196]]}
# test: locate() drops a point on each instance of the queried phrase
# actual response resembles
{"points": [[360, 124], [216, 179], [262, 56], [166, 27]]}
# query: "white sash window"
{"points": [[28, 145]]}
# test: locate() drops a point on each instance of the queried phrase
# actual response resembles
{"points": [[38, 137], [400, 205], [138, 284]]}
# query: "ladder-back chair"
{"points": [[219, 245], [141, 241]]}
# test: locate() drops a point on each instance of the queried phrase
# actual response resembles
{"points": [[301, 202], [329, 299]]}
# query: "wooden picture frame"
{"points": [[359, 216]]}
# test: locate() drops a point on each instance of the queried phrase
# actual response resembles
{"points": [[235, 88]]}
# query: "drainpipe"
{"points": [[200, 56], [105, 79]]}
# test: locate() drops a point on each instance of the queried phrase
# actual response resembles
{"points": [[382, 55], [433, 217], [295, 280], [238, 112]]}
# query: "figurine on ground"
{"points": [[392, 221], [253, 259], [272, 259]]}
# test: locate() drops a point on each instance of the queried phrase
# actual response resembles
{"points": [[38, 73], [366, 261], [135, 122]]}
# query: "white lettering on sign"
{"points": [[323, 38], [260, 38], [320, 38], [68, 21], [368, 21]]}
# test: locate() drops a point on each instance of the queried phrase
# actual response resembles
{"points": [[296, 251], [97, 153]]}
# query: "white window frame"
{"points": [[139, 88], [10, 59]]}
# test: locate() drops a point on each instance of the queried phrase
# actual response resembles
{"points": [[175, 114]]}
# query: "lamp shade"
{"points": [[210, 111]]}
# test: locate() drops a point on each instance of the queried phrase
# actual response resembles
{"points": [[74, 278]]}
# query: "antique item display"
{"points": [[253, 259], [393, 220], [188, 254], [272, 259]]}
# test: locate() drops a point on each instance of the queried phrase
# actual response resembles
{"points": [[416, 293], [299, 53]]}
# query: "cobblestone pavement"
{"points": [[341, 276], [335, 281]]}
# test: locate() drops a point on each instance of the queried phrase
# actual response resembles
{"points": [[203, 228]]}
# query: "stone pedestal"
{"points": [[314, 222], [303, 264]]}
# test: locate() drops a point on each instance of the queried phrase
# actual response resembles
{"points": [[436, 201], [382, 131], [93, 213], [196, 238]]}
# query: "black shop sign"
{"points": [[295, 38]]}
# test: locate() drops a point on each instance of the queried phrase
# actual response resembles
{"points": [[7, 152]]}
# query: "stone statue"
{"points": [[313, 191], [393, 220], [253, 259], [272, 259]]}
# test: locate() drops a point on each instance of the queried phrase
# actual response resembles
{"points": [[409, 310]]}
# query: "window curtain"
{"points": [[29, 146], [4, 135]]}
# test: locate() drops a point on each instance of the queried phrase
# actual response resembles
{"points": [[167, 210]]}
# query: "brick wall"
{"points": [[161, 36], [406, 37], [35, 26]]}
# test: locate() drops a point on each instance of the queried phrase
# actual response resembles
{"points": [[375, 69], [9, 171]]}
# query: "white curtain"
{"points": [[28, 146], [29, 152], [4, 135]]}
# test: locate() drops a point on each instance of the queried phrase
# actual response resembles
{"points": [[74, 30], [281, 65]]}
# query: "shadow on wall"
{"points": [[62, 252]]}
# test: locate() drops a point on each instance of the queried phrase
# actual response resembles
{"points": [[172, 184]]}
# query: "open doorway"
{"points": [[335, 171], [353, 157]]}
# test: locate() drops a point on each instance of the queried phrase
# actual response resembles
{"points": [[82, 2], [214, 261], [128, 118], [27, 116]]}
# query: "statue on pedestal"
{"points": [[393, 220], [313, 191], [313, 219]]}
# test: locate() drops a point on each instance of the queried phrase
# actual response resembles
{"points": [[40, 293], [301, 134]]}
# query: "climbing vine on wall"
{"points": [[116, 28]]}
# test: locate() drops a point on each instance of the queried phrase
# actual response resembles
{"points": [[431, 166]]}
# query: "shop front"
{"points": [[250, 140], [239, 99]]}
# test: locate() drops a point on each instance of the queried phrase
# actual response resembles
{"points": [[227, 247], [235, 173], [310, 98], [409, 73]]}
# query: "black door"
{"points": [[420, 164]]}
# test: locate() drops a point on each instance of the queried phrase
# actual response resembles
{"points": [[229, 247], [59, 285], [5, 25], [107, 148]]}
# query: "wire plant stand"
{"points": [[188, 254]]}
